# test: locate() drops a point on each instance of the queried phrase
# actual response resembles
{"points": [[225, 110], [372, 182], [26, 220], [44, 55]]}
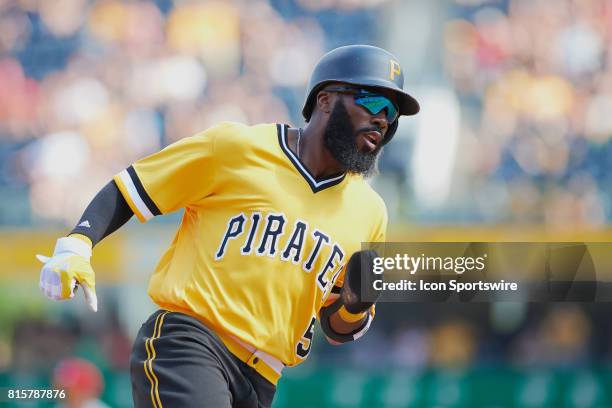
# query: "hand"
{"points": [[360, 269], [68, 267]]}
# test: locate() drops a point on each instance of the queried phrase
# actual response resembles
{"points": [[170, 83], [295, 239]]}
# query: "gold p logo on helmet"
{"points": [[394, 69]]}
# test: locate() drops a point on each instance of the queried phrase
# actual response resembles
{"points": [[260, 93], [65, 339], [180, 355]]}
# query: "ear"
{"points": [[324, 101]]}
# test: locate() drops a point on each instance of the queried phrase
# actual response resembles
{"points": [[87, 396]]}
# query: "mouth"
{"points": [[371, 140]]}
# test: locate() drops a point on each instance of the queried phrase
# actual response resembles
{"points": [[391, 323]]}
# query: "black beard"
{"points": [[341, 140]]}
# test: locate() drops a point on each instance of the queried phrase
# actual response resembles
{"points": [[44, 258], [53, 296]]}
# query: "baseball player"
{"points": [[270, 240]]}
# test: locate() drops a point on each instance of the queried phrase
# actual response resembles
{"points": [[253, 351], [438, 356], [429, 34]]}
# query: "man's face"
{"points": [[354, 136]]}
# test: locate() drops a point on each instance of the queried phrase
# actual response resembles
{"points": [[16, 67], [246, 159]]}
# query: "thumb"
{"points": [[90, 296], [42, 258]]}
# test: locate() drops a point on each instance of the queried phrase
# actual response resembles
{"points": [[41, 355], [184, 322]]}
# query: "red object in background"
{"points": [[19, 95], [76, 374], [489, 53]]}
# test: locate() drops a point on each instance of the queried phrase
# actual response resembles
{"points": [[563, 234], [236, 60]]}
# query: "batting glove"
{"points": [[68, 267], [360, 270]]}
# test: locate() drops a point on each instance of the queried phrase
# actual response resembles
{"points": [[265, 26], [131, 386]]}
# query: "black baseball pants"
{"points": [[178, 362]]}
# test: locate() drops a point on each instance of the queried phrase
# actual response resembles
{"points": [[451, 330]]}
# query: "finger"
{"points": [[68, 282], [42, 258], [52, 292], [50, 283], [91, 297]]}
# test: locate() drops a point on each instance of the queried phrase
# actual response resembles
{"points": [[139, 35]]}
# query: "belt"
{"points": [[266, 365]]}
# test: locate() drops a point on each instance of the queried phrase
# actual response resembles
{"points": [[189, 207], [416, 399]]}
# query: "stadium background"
{"points": [[513, 143]]}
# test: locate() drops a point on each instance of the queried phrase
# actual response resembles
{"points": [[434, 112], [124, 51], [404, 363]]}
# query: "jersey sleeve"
{"points": [[180, 174]]}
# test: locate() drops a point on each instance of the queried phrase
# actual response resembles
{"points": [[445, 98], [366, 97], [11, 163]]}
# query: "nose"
{"points": [[380, 120]]}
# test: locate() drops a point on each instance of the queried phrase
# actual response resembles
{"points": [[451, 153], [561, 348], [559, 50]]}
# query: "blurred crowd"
{"points": [[86, 358], [87, 87], [534, 83]]}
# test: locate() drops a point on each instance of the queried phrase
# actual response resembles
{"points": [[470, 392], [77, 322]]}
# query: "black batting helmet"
{"points": [[363, 65]]}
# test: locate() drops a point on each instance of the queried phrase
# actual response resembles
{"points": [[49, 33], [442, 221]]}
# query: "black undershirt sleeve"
{"points": [[106, 213]]}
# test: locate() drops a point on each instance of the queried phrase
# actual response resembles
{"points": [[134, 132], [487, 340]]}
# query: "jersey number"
{"points": [[303, 346]]}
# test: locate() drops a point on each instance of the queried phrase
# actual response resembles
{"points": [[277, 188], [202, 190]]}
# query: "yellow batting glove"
{"points": [[68, 267]]}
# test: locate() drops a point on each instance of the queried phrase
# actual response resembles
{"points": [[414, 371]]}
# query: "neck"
{"points": [[314, 154]]}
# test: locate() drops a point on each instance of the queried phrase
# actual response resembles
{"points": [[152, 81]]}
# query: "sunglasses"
{"points": [[373, 102]]}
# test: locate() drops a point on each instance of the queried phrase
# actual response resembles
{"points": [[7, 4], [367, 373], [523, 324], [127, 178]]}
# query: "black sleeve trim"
{"points": [[142, 192]]}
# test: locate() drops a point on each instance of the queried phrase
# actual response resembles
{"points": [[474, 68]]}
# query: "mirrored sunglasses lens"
{"points": [[375, 103], [392, 113]]}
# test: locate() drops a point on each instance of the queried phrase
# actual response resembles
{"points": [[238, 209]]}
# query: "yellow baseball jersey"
{"points": [[261, 243]]}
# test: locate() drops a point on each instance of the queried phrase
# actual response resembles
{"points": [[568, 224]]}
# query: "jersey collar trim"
{"points": [[315, 184]]}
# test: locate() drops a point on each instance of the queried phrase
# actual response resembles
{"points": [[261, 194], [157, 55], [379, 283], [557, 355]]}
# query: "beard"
{"points": [[340, 139]]}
